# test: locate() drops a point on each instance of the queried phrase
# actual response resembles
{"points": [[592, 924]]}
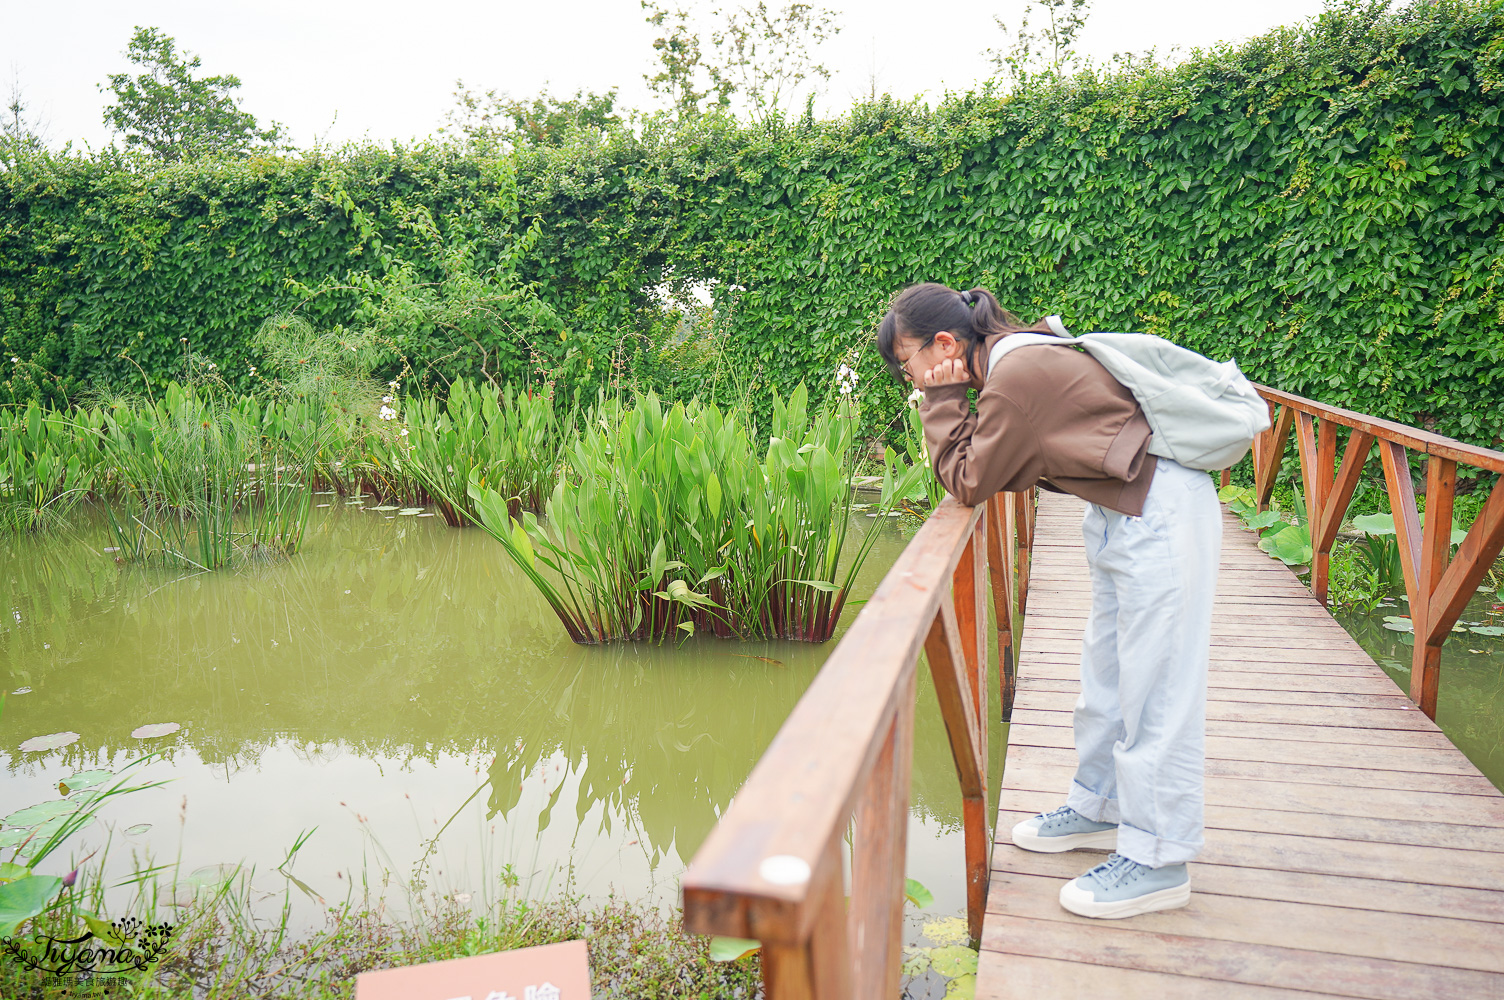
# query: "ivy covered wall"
{"points": [[1323, 204]]}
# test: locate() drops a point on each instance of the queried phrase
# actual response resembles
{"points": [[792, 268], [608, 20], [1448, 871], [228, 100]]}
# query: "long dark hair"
{"points": [[921, 311]]}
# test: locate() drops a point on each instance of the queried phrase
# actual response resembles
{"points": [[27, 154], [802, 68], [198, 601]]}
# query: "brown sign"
{"points": [[548, 972]]}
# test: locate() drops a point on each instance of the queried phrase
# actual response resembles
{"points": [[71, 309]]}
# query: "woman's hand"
{"points": [[951, 371]]}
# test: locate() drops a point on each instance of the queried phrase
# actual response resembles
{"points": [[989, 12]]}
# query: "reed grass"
{"points": [[672, 520]]}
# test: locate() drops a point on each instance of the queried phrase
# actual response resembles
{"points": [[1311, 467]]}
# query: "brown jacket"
{"points": [[1049, 415]]}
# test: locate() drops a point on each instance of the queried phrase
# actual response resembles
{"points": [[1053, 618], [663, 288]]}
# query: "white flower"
{"points": [[916, 397], [386, 399], [15, 360], [845, 389], [253, 371], [843, 371], [392, 385], [387, 413], [404, 432], [212, 366]]}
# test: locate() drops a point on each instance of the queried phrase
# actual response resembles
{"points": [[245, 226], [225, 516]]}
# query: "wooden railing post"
{"points": [[819, 967], [1000, 536], [878, 847]]}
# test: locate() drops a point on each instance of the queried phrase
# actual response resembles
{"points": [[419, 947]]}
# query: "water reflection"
{"points": [[396, 679], [1470, 700]]}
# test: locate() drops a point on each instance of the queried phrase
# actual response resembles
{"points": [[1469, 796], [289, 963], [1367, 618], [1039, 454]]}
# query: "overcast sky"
{"points": [[375, 69]]}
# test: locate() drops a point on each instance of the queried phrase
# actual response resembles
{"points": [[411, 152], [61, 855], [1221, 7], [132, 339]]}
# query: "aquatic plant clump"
{"points": [[507, 441], [671, 521]]}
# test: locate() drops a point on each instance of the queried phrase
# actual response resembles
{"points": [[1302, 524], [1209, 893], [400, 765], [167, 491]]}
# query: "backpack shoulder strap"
{"points": [[1014, 341]]}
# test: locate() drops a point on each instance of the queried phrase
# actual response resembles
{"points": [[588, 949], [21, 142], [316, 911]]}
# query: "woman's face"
{"points": [[915, 361]]}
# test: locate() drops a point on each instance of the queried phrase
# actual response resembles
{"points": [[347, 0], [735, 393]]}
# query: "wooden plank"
{"points": [[1471, 811], [1024, 977], [1310, 926], [1366, 716], [1267, 818], [1235, 962], [1391, 696], [1382, 758], [1272, 882], [1332, 775], [1431, 739]]}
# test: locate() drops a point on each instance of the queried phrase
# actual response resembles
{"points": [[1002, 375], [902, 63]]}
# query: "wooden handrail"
{"points": [[1437, 584], [772, 867]]}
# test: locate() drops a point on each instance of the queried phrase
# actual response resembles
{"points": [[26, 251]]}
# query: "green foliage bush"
{"points": [[1321, 203]]}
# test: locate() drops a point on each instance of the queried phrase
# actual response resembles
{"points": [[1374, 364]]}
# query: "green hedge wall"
{"points": [[1324, 204]]}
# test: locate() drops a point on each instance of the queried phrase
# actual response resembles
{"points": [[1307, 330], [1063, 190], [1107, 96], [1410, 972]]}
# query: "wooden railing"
{"points": [[772, 869], [1437, 583]]}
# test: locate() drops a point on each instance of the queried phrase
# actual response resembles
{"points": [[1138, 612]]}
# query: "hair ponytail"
{"points": [[921, 311]]}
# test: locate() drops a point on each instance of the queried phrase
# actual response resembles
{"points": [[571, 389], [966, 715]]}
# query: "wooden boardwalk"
{"points": [[1351, 850]]}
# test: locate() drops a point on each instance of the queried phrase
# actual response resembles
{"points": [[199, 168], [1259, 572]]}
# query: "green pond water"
{"points": [[1470, 700], [395, 679]]}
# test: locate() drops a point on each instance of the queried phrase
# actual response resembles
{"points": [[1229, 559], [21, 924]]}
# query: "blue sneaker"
{"points": [[1121, 887], [1063, 829]]}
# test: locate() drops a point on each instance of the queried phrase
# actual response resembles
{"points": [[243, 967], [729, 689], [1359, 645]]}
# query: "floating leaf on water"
{"points": [[385, 506], [962, 988], [55, 741], [88, 779], [951, 930], [427, 515], [22, 690], [1398, 623], [355, 503], [916, 962], [410, 511], [213, 876], [729, 949], [955, 960], [1488, 629], [11, 836], [40, 813], [154, 730], [137, 830]]}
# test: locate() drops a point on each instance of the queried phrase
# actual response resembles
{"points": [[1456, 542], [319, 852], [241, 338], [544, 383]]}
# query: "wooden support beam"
{"points": [[966, 729], [1475, 556], [1000, 571], [1359, 444], [878, 848], [1436, 548], [1269, 452], [1406, 521]]}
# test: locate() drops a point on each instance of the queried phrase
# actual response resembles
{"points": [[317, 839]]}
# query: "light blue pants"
{"points": [[1141, 719]]}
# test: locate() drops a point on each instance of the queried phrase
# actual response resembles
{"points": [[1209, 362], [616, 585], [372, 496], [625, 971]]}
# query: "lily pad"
{"points": [[154, 730], [409, 511], [916, 962], [87, 779], [11, 836], [383, 507], [955, 960], [41, 813], [22, 690], [951, 930], [729, 949], [1488, 629], [1398, 623], [137, 830], [962, 987], [25, 898], [56, 741], [213, 876]]}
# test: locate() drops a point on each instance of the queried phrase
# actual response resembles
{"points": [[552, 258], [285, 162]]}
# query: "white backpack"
{"points": [[1202, 413]]}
